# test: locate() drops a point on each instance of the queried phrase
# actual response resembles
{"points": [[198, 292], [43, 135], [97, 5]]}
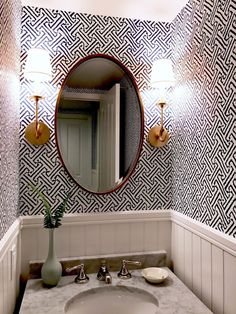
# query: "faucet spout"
{"points": [[103, 274], [108, 278]]}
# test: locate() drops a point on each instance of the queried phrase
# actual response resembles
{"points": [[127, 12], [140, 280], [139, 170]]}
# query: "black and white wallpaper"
{"points": [[68, 37], [9, 112], [195, 173], [204, 111]]}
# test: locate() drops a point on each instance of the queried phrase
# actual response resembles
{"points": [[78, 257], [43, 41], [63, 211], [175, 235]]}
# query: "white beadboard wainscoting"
{"points": [[205, 260], [9, 268], [98, 234]]}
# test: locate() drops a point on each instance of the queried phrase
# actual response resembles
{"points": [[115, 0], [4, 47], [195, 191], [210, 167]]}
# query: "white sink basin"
{"points": [[112, 299]]}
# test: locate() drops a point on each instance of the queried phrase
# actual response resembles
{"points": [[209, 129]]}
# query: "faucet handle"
{"points": [[103, 263], [124, 273], [81, 277]]}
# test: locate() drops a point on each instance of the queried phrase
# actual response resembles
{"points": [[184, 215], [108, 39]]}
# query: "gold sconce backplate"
{"points": [[39, 137], [158, 136]]}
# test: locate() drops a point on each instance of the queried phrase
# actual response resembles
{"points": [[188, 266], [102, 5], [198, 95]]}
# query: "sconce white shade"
{"points": [[38, 66], [162, 74]]}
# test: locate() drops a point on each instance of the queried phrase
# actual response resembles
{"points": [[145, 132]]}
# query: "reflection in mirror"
{"points": [[99, 124]]}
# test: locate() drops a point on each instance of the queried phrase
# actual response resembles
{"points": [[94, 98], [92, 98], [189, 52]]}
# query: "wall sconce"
{"points": [[162, 77], [37, 69]]}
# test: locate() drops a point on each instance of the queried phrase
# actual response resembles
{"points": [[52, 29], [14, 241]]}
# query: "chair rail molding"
{"points": [[101, 218], [218, 238]]}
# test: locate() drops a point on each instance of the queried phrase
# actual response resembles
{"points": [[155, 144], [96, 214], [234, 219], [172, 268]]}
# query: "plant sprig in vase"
{"points": [[52, 218], [51, 270]]}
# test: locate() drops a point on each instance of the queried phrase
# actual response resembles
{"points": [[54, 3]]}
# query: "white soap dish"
{"points": [[155, 274]]}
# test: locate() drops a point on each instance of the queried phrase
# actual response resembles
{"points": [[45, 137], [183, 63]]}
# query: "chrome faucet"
{"points": [[103, 273], [124, 273], [81, 277]]}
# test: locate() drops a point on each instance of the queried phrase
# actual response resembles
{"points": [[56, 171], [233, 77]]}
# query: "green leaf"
{"points": [[40, 194], [59, 212]]}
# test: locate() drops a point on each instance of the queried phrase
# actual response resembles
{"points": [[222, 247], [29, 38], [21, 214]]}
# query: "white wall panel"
{"points": [[1, 288], [137, 233], [29, 250], [164, 236], [151, 235], [206, 272], [61, 239], [229, 284], [188, 262], [41, 242], [77, 241], [174, 248], [197, 266], [6, 279], [122, 237], [179, 244], [136, 237], [92, 239], [107, 240], [217, 280]]}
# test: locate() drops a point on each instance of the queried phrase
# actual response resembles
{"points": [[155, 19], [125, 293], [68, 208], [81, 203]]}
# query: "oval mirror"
{"points": [[99, 123]]}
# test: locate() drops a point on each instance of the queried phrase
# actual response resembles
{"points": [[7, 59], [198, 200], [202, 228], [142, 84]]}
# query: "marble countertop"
{"points": [[172, 295]]}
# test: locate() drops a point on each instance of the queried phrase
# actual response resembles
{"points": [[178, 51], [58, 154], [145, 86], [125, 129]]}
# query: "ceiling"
{"points": [[95, 73], [151, 10]]}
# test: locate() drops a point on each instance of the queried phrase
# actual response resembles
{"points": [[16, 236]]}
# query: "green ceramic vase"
{"points": [[51, 270]]}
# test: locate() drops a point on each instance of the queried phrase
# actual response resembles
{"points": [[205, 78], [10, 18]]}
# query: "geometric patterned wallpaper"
{"points": [[204, 111], [9, 112], [69, 37]]}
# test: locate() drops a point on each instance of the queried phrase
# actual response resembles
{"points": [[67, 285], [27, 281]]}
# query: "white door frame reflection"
{"points": [[82, 136]]}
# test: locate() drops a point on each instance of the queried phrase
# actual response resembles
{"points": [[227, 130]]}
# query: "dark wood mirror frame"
{"points": [[141, 135]]}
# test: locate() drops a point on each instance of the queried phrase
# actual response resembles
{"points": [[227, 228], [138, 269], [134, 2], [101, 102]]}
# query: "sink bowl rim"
{"points": [[108, 288]]}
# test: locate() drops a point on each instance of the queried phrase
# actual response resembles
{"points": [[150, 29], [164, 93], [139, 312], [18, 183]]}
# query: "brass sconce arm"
{"points": [[161, 104], [37, 132], [37, 98]]}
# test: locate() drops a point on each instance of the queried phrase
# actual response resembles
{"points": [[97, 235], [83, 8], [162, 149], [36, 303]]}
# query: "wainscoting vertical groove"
{"points": [[229, 283], [217, 280]]}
